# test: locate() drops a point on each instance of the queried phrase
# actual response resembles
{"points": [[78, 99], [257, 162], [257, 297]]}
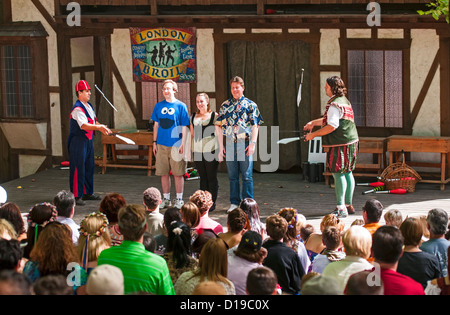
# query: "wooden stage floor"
{"points": [[272, 191]]}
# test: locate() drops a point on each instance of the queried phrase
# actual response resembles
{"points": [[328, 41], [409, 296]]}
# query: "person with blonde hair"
{"points": [[94, 238], [213, 266], [357, 242], [11, 212], [7, 230], [393, 217]]}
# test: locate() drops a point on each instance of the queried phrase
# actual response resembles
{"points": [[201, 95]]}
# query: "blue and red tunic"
{"points": [[81, 155]]}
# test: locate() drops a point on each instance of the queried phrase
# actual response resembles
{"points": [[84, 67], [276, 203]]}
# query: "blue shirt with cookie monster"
{"points": [[171, 118]]}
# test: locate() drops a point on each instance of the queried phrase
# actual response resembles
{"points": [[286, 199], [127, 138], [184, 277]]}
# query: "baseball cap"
{"points": [[82, 85], [105, 280], [251, 242]]}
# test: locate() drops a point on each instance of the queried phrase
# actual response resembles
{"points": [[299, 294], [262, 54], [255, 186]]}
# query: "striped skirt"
{"points": [[342, 159]]}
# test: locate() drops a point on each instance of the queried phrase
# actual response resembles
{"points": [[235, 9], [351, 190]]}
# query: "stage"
{"points": [[272, 191]]}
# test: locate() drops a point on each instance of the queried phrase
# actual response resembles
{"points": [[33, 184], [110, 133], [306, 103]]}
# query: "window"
{"points": [[16, 81], [375, 87], [376, 73], [24, 77], [152, 94]]}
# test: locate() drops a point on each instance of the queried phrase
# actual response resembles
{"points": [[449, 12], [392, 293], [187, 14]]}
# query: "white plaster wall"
{"points": [[424, 45], [82, 51], [121, 53], [390, 33], [359, 33], [25, 135], [330, 53], [205, 61], [29, 164]]}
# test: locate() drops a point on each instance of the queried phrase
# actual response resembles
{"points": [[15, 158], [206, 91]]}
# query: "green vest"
{"points": [[346, 133]]}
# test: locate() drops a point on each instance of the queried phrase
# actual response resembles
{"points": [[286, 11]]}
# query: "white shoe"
{"points": [[165, 203], [178, 203], [232, 207]]}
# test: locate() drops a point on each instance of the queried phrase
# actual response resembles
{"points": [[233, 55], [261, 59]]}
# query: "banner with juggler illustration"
{"points": [[164, 53]]}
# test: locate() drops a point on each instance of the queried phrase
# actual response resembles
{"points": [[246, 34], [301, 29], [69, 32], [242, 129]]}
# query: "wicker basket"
{"points": [[400, 175]]}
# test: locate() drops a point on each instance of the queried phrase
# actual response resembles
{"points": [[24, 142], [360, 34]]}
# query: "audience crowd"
{"points": [[138, 249]]}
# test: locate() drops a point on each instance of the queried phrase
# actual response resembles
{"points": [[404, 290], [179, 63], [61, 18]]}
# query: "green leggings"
{"points": [[344, 188]]}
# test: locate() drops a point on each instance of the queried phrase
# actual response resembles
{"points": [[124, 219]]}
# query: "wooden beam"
{"points": [[260, 7], [315, 73], [45, 13], [425, 88], [104, 110], [153, 7], [65, 84], [57, 7], [444, 61], [83, 69], [7, 11], [123, 88]]}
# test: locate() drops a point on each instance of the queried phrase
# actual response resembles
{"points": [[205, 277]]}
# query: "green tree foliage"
{"points": [[438, 8]]}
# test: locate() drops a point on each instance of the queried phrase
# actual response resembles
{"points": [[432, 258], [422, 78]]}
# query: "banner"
{"points": [[164, 53]]}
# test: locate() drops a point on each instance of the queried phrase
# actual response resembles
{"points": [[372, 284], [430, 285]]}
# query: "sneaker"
{"points": [[79, 201], [232, 207], [165, 203], [350, 209], [91, 197], [178, 203], [340, 213]]}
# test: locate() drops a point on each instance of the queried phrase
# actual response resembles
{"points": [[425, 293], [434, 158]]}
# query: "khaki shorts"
{"points": [[168, 158]]}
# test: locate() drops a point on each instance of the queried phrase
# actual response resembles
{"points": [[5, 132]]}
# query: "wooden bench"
{"points": [[141, 138], [441, 145], [373, 145]]}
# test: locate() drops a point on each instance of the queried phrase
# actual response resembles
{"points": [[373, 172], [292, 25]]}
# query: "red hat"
{"points": [[82, 85]]}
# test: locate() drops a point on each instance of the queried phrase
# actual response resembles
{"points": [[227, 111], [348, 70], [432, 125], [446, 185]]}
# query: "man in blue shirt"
{"points": [[169, 137], [239, 119], [437, 245]]}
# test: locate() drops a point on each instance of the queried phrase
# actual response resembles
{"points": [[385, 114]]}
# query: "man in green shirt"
{"points": [[142, 270]]}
